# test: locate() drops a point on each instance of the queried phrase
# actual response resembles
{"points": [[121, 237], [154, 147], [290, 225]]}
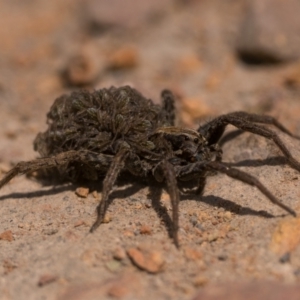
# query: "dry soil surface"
{"points": [[233, 240]]}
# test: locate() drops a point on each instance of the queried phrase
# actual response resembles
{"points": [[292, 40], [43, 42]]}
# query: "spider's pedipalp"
{"points": [[200, 167]]}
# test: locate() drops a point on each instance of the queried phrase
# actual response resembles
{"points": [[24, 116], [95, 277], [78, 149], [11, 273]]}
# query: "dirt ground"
{"points": [[233, 241]]}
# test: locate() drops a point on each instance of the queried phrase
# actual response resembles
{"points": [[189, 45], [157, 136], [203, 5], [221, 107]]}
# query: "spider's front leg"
{"points": [[200, 167], [214, 130]]}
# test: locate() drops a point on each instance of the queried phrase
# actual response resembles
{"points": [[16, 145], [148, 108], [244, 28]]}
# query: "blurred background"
{"points": [[216, 55]]}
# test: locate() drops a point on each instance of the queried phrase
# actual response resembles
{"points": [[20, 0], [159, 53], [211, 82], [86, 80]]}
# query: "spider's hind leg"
{"points": [[58, 161], [25, 167]]}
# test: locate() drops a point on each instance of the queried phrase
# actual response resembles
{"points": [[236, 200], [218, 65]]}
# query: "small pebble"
{"points": [[145, 229], [95, 194], [113, 265], [285, 258], [82, 192], [107, 218], [123, 58], [119, 254], [151, 261], [148, 204], [79, 223], [7, 236], [227, 215], [194, 220], [46, 279], [81, 70], [200, 281]]}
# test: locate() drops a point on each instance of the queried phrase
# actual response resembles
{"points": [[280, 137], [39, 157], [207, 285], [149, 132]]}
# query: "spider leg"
{"points": [[56, 161], [168, 107], [170, 177], [214, 130], [264, 119], [201, 184], [109, 180], [199, 167]]}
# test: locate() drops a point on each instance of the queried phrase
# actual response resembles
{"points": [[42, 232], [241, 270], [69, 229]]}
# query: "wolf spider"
{"points": [[99, 134]]}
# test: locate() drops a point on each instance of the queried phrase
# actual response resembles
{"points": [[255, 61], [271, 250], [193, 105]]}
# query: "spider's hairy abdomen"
{"points": [[96, 120]]}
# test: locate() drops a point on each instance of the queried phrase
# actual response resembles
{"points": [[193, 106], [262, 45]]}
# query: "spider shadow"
{"points": [[131, 185], [228, 205], [127, 186], [40, 193], [155, 192], [227, 137]]}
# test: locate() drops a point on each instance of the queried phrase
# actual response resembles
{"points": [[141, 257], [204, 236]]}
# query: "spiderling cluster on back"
{"points": [[97, 135]]}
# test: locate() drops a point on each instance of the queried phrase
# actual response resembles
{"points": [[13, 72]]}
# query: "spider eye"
{"points": [[196, 140], [186, 138]]}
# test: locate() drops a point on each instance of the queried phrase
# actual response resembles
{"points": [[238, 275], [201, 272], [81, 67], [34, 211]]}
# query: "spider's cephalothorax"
{"points": [[100, 134]]}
